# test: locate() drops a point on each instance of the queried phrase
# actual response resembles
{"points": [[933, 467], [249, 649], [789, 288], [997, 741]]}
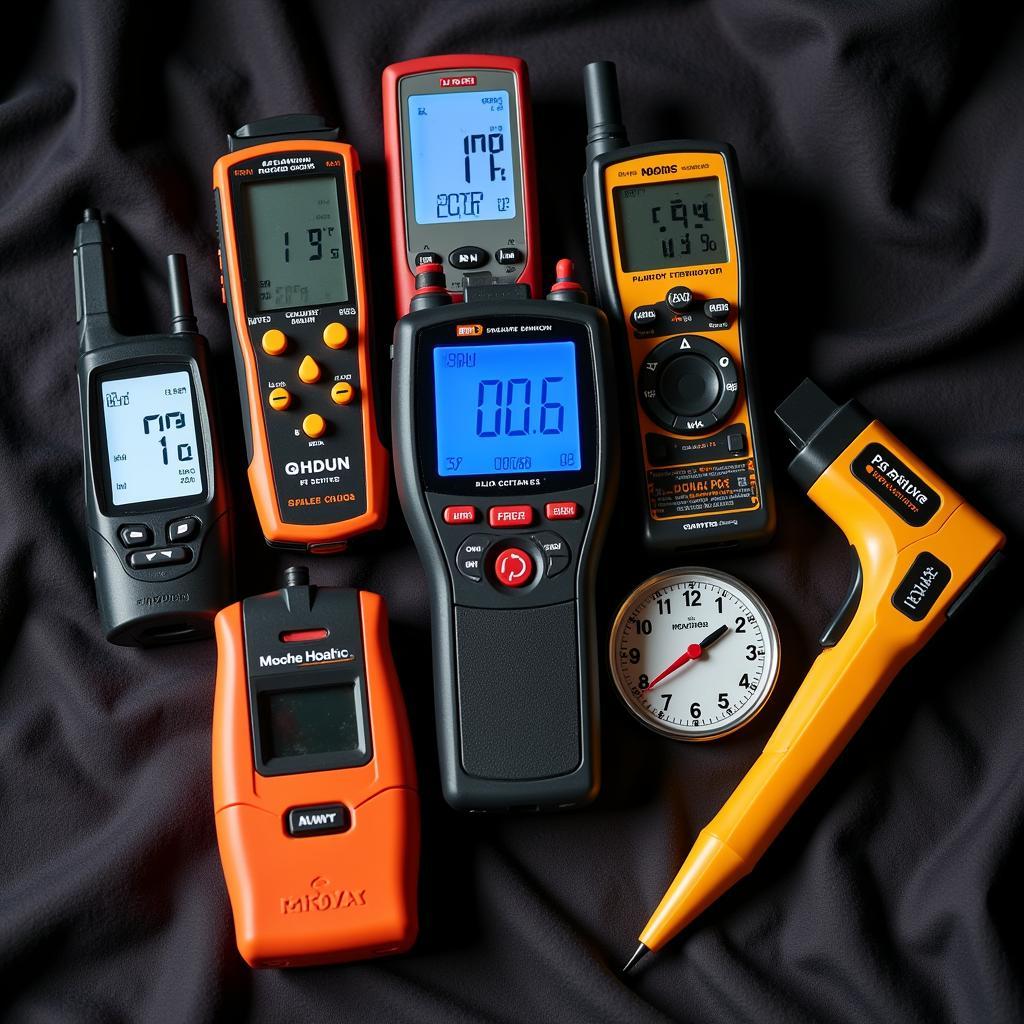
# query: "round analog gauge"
{"points": [[694, 653]]}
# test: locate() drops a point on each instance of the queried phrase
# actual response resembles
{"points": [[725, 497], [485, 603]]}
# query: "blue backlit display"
{"points": [[462, 160], [506, 409]]}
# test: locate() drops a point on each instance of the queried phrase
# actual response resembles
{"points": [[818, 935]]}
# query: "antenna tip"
{"points": [[91, 213], [641, 952]]}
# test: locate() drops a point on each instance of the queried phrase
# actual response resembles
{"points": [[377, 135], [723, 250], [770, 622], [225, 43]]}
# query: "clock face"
{"points": [[694, 653]]}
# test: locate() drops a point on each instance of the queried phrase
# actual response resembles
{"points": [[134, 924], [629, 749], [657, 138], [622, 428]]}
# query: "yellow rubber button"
{"points": [[280, 398], [309, 370], [342, 393], [274, 342], [314, 425], [335, 335]]}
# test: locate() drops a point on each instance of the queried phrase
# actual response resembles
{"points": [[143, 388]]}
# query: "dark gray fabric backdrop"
{"points": [[882, 148]]}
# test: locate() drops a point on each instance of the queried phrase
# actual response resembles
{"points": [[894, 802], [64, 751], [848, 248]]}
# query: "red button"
{"points": [[508, 516], [513, 567], [561, 510], [460, 514]]}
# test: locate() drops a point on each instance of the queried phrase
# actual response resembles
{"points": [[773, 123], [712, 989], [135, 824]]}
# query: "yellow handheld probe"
{"points": [[918, 550]]}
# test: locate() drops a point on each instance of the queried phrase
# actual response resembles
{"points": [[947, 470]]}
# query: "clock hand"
{"points": [[692, 653]]}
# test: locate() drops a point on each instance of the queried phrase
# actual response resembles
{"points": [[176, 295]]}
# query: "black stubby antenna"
{"points": [[605, 130], [183, 317]]}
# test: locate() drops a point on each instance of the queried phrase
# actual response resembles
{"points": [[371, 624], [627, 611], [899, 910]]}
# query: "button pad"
{"points": [[468, 257], [508, 256], [317, 820], [133, 535], [510, 517], [159, 557], [460, 514], [470, 558], [513, 567], [679, 299], [428, 257], [561, 510], [556, 552], [179, 530], [644, 318]]}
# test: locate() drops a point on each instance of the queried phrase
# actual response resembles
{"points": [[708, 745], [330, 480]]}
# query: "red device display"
{"points": [[458, 142]]}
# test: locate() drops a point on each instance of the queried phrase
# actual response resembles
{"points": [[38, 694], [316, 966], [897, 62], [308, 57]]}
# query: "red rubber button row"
{"points": [[561, 510], [513, 567], [460, 514], [507, 517]]}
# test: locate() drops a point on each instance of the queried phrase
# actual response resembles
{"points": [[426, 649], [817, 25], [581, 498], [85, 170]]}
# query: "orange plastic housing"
{"points": [[317, 537], [325, 898]]}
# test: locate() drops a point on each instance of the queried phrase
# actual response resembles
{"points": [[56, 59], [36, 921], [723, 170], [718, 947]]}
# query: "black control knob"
{"points": [[688, 384], [678, 299], [430, 288]]}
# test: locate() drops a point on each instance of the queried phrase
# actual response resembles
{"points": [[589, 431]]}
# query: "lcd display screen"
{"points": [[153, 449], [671, 224], [462, 154], [295, 243], [506, 409], [313, 720]]}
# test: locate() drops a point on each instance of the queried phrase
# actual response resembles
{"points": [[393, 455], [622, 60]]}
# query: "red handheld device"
{"points": [[458, 141]]}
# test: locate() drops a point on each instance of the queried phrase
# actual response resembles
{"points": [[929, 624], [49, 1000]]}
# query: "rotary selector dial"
{"points": [[688, 384]]}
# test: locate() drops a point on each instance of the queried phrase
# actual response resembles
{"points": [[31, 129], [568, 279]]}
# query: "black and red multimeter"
{"points": [[314, 783], [505, 462], [295, 283], [458, 143], [663, 221]]}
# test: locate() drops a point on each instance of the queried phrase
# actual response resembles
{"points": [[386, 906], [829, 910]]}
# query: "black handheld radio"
{"points": [[155, 495], [665, 234], [505, 463]]}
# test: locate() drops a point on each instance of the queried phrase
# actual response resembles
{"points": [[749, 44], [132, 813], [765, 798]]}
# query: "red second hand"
{"points": [[692, 653]]}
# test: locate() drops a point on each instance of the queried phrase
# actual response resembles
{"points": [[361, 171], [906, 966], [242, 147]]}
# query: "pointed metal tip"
{"points": [[641, 952]]}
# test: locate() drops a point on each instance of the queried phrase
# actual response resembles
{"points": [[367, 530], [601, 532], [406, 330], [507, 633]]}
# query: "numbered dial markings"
{"points": [[694, 653]]}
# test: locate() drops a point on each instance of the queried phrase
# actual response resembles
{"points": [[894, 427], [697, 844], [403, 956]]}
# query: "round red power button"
{"points": [[513, 567]]}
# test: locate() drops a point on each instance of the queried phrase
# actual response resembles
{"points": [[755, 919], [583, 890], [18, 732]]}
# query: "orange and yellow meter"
{"points": [[314, 784], [294, 281]]}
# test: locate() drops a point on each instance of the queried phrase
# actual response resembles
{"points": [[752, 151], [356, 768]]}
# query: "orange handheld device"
{"points": [[666, 248], [918, 551], [314, 785], [458, 141], [294, 280]]}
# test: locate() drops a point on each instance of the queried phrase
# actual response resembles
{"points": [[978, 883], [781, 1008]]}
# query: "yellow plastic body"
{"points": [[844, 682]]}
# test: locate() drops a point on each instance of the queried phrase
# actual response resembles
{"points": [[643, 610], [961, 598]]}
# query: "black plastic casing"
{"points": [[755, 526], [515, 671], [158, 605]]}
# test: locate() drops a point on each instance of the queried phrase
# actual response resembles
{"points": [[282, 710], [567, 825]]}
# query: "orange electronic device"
{"points": [[294, 280], [666, 249], [918, 551], [314, 785]]}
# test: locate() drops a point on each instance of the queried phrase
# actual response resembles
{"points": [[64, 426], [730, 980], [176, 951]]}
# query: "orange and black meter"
{"points": [[666, 250], [294, 281], [314, 784]]}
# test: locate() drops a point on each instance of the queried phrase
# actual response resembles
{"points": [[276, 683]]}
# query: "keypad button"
{"points": [[342, 393], [561, 510], [274, 342], [456, 514], [427, 257], [314, 425], [556, 552], [279, 399], [468, 257], [159, 557], [309, 370], [133, 535], [318, 820], [508, 256], [717, 310], [183, 529], [508, 517], [679, 299], [335, 335], [513, 567], [644, 318], [470, 557]]}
